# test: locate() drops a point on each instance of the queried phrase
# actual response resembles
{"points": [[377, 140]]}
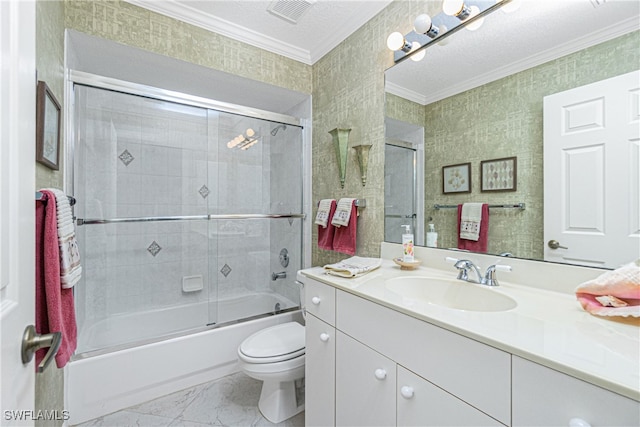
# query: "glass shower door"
{"points": [[139, 167], [257, 219]]}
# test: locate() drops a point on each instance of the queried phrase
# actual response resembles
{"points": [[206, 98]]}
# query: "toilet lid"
{"points": [[279, 340]]}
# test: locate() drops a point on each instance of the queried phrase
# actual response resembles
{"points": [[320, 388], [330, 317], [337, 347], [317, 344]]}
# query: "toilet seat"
{"points": [[274, 344]]}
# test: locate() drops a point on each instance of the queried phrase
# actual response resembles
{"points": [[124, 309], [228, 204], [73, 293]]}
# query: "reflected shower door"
{"points": [[399, 197]]}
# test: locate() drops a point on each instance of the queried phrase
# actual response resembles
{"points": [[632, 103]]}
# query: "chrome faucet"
{"points": [[276, 276], [463, 266], [489, 279]]}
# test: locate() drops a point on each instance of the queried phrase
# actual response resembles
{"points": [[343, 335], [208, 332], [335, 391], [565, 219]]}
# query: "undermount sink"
{"points": [[450, 293]]}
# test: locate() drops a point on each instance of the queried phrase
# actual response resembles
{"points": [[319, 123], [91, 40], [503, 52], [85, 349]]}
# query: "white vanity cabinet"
{"points": [[420, 403], [320, 353], [545, 397], [356, 384], [365, 385], [320, 368]]}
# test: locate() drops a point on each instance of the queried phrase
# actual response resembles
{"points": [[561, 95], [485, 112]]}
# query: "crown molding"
{"points": [[212, 23], [594, 38], [403, 92]]}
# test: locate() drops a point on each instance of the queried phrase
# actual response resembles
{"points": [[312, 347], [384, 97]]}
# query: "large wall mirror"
{"points": [[480, 97]]}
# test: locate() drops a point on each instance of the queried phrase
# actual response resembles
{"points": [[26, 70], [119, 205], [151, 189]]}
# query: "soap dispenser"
{"points": [[432, 237], [407, 244]]}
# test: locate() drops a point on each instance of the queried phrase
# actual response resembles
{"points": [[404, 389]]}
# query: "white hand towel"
{"points": [[470, 219], [322, 217], [70, 268], [342, 214], [354, 266]]}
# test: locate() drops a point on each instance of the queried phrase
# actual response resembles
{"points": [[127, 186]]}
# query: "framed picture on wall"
{"points": [[499, 174], [456, 178], [47, 127]]}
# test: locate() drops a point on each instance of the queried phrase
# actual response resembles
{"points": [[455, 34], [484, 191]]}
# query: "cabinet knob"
{"points": [[315, 300], [380, 374], [406, 391], [578, 422], [324, 337]]}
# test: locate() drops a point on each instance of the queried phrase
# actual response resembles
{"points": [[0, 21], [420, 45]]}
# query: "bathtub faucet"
{"points": [[276, 276]]}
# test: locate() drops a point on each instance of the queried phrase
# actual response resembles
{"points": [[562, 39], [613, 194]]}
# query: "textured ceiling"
{"points": [[322, 27]]}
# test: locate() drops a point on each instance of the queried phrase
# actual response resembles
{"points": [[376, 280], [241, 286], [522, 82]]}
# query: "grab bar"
{"points": [[91, 221]]}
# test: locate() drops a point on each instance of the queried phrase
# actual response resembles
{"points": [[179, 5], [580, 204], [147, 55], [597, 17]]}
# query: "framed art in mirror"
{"points": [[456, 178], [499, 174], [47, 127]]}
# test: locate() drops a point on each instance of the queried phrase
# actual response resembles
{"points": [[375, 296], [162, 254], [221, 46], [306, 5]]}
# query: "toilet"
{"points": [[275, 355]]}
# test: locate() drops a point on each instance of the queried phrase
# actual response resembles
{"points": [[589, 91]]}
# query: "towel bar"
{"points": [[39, 198], [360, 203], [520, 206]]}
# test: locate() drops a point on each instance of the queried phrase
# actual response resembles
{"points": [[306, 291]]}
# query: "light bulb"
{"points": [[395, 41], [418, 56], [443, 29], [424, 25], [249, 132], [478, 22], [455, 8], [511, 6]]}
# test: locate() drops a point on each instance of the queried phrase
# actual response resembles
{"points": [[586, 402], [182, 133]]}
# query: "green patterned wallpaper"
{"points": [[348, 92], [134, 26], [503, 119]]}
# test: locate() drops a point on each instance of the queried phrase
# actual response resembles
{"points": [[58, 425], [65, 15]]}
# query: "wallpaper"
{"points": [[504, 119]]}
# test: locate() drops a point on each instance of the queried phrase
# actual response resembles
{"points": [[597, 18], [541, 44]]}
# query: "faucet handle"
{"points": [[490, 278]]}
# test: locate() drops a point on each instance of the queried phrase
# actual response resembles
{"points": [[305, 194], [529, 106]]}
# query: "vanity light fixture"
{"points": [[424, 25], [455, 15], [396, 41], [456, 8]]}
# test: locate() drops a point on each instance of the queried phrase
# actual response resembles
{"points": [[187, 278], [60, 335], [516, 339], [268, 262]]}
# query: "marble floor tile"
{"points": [[230, 401]]}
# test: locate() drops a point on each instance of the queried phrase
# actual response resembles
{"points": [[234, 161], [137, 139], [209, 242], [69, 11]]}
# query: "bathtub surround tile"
{"points": [[154, 248], [126, 157], [228, 401]]}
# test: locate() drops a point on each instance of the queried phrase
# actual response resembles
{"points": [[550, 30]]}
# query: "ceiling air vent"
{"points": [[290, 10]]}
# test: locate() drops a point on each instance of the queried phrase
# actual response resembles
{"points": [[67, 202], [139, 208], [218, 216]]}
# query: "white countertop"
{"points": [[546, 327]]}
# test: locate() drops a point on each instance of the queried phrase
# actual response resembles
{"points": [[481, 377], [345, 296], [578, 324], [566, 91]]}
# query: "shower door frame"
{"points": [[106, 83]]}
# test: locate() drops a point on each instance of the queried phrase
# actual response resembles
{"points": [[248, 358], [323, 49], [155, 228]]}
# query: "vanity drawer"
{"points": [[320, 300], [544, 397], [474, 372]]}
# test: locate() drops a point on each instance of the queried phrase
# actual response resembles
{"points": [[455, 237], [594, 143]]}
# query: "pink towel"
{"points": [[55, 310], [325, 234], [481, 244], [344, 238]]}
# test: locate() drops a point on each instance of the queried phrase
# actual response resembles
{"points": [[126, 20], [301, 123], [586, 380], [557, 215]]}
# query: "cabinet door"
{"points": [[320, 367], [544, 397], [365, 385], [421, 403]]}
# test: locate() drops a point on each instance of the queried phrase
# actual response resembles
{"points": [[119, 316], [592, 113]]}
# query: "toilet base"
{"points": [[278, 401]]}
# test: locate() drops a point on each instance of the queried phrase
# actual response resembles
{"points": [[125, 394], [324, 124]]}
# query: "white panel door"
{"points": [[591, 180], [17, 186]]}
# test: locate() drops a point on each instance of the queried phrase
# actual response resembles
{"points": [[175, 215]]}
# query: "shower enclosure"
{"points": [[189, 214]]}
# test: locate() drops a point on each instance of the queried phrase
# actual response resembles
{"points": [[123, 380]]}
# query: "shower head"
{"points": [[275, 130]]}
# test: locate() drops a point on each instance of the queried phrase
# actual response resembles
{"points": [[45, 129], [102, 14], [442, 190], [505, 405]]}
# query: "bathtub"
{"points": [[99, 384]]}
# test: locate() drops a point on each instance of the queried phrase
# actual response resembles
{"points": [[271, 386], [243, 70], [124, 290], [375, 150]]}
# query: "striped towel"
{"points": [[343, 212], [70, 268]]}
